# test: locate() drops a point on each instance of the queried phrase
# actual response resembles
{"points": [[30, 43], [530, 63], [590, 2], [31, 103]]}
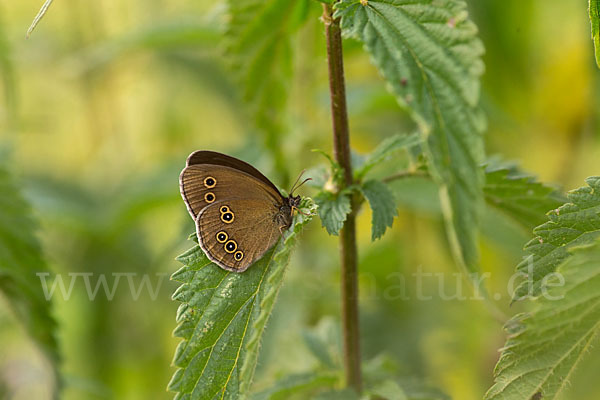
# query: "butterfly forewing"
{"points": [[204, 184], [215, 158], [234, 233]]}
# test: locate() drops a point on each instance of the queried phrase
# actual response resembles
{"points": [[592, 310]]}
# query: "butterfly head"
{"points": [[293, 202]]}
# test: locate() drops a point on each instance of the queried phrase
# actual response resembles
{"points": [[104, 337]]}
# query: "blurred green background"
{"points": [[101, 106]]}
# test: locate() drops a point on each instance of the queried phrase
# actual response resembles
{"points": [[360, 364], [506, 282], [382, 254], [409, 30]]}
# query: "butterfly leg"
{"points": [[299, 210]]}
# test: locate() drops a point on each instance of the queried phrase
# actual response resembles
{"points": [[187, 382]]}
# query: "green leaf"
{"points": [[346, 394], [595, 21], [572, 224], [385, 150], [333, 210], [519, 195], [39, 16], [167, 35], [299, 384], [21, 260], [389, 390], [383, 205], [323, 341], [545, 346], [259, 36], [429, 53], [223, 316], [336, 173]]}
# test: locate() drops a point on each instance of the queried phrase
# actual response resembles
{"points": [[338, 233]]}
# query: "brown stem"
{"points": [[348, 252]]}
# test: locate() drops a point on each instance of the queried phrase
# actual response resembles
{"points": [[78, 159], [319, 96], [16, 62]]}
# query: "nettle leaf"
{"points": [[299, 384], [385, 150], [519, 195], [223, 316], [595, 21], [382, 202], [20, 260], [572, 224], [545, 346], [429, 53], [259, 46], [333, 210]]}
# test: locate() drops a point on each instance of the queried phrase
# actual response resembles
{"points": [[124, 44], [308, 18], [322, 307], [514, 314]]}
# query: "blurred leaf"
{"points": [[222, 318], [333, 210], [346, 394], [383, 205], [318, 348], [319, 174], [572, 224], [39, 16], [323, 341], [544, 347], [429, 54], [382, 373], [385, 150], [8, 79], [417, 390], [164, 36], [259, 46], [519, 195], [299, 384], [388, 390], [595, 21], [336, 173], [21, 260]]}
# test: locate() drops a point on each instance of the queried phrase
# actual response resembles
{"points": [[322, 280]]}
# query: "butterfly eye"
{"points": [[209, 197], [230, 246], [238, 255], [222, 237], [227, 217], [224, 209], [210, 182]]}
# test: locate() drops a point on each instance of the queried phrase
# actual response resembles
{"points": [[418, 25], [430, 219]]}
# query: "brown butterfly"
{"points": [[239, 213]]}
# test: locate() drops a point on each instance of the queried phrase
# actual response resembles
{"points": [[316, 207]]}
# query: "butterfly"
{"points": [[239, 213]]}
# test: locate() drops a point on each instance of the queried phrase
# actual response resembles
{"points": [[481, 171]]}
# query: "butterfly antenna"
{"points": [[297, 180], [302, 183]]}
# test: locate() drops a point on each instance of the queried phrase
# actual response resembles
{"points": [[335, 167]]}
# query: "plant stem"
{"points": [[405, 174], [341, 150]]}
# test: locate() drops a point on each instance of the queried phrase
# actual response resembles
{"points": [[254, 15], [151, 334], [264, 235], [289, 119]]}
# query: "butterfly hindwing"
{"points": [[235, 233]]}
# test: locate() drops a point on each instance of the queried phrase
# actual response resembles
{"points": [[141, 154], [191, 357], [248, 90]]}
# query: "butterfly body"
{"points": [[239, 213]]}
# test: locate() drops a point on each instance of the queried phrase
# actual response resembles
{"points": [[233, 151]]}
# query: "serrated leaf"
{"points": [[519, 195], [572, 224], [39, 16], [545, 346], [594, 8], [385, 150], [429, 53], [223, 316], [333, 210], [298, 384], [20, 260], [383, 206]]}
